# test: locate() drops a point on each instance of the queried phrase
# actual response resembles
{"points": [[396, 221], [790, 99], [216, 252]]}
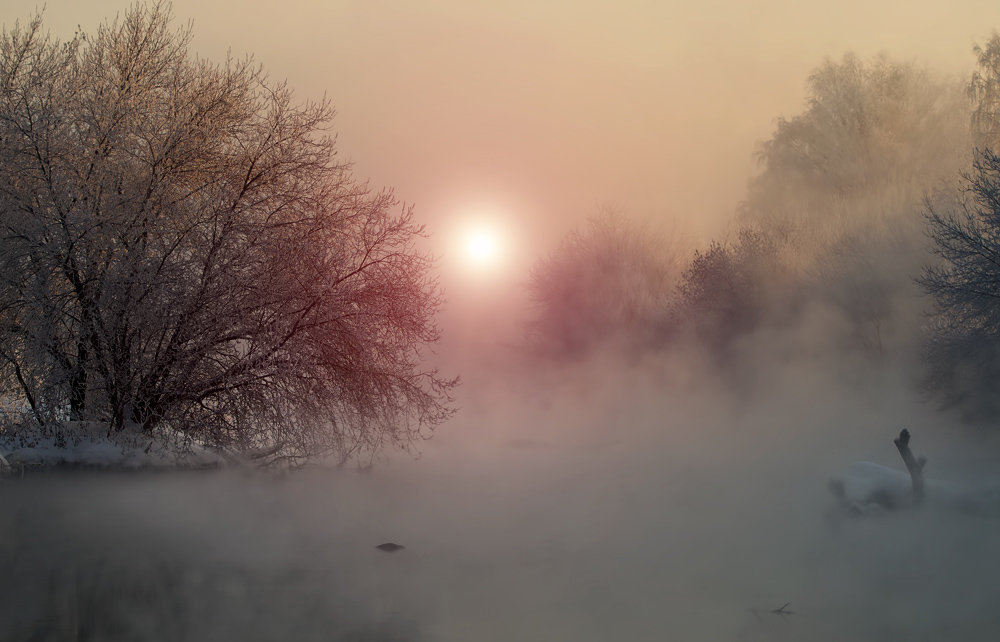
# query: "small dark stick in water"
{"points": [[390, 547], [781, 610]]}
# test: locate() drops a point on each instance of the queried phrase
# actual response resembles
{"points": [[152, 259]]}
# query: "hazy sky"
{"points": [[544, 111]]}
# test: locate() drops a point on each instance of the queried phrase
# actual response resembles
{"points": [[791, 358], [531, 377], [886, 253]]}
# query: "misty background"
{"points": [[652, 461]]}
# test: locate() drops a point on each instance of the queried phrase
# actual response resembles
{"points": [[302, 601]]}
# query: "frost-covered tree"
{"points": [[182, 253], [875, 135], [610, 279], [984, 91], [843, 184]]}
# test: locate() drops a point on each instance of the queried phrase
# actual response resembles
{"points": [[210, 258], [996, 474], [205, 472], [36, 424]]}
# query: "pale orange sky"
{"points": [[549, 110]]}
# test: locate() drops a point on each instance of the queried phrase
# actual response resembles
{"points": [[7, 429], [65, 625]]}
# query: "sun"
{"points": [[482, 246]]}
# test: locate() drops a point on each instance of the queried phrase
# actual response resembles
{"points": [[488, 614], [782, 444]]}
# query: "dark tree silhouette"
{"points": [[728, 289], [965, 286]]}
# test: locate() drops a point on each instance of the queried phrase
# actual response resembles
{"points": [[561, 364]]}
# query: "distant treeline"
{"points": [[850, 241]]}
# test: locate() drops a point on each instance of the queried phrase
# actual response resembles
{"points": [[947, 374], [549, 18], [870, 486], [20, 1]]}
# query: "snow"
{"points": [[863, 478], [869, 486], [89, 446]]}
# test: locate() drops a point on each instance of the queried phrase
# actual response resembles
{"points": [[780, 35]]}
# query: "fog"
{"points": [[625, 494], [614, 503]]}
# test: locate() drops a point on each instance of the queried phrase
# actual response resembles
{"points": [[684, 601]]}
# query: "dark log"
{"points": [[390, 547], [914, 465]]}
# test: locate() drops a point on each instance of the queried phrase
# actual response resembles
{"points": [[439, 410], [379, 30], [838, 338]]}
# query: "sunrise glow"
{"points": [[482, 246]]}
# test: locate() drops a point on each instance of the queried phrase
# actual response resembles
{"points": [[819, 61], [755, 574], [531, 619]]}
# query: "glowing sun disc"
{"points": [[482, 246]]}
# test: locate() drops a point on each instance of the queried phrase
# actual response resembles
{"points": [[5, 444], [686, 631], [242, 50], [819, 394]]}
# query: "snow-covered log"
{"points": [[865, 487]]}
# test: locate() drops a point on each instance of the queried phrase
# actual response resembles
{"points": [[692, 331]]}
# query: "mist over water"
{"points": [[619, 502], [679, 493]]}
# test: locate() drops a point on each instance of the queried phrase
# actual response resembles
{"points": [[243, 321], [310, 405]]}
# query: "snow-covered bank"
{"points": [[88, 445], [47, 453]]}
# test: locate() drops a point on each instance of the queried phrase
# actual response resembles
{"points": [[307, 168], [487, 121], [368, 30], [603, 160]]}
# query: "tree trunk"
{"points": [[78, 383]]}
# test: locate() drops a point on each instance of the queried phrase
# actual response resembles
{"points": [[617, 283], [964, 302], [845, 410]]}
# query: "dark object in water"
{"points": [[782, 610], [390, 547]]}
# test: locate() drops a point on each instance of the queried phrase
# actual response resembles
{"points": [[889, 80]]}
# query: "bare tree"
{"points": [[965, 286], [182, 252]]}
